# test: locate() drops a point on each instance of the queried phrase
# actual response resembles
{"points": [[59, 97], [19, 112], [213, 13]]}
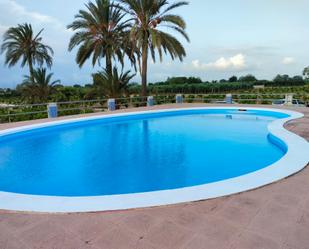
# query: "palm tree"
{"points": [[20, 43], [39, 86], [148, 16], [113, 85], [101, 32]]}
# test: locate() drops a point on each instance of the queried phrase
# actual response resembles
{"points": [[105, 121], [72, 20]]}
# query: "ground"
{"points": [[272, 217]]}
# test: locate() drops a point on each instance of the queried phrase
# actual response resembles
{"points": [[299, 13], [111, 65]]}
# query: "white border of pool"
{"points": [[295, 160]]}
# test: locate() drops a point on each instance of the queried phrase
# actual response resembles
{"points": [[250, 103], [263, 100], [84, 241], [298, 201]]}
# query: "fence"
{"points": [[14, 113]]}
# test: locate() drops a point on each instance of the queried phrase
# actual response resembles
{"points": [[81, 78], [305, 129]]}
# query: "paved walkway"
{"points": [[272, 217]]}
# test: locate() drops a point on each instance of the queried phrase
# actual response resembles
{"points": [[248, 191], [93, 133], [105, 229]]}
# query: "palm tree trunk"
{"points": [[109, 65], [144, 69], [31, 70], [109, 71]]}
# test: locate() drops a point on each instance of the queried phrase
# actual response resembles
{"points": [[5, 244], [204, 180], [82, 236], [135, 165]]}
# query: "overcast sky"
{"points": [[228, 37]]}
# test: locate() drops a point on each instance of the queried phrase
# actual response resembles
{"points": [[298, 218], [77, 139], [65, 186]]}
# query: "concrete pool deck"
{"points": [[274, 216]]}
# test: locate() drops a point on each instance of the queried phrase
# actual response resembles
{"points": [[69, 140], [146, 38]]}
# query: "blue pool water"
{"points": [[139, 153]]}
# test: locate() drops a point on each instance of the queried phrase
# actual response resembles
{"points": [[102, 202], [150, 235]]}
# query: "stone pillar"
{"points": [[229, 99], [150, 101], [179, 99], [111, 104], [52, 110]]}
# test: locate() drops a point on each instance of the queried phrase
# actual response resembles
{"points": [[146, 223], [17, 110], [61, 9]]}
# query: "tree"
{"points": [[20, 43], [113, 85], [39, 86], [282, 78], [306, 72], [286, 80], [182, 80], [100, 32], [233, 79], [247, 78], [147, 18]]}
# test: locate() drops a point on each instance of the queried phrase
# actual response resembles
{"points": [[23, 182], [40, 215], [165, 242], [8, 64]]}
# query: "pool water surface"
{"points": [[140, 153]]}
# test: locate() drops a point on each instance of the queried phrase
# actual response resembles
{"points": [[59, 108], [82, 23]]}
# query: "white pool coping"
{"points": [[294, 160]]}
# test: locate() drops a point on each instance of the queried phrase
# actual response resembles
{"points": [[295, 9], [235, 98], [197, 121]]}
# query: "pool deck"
{"points": [[272, 217]]}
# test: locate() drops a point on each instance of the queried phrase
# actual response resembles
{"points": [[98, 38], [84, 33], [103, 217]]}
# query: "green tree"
{"points": [[182, 80], [147, 18], [113, 85], [247, 78], [20, 43], [233, 79], [286, 80], [282, 78], [38, 87], [101, 31]]}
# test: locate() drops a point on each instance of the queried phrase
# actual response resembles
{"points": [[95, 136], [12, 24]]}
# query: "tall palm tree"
{"points": [[20, 43], [39, 86], [148, 17], [100, 32], [113, 85]]}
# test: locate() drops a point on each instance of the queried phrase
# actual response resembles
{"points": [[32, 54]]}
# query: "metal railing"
{"points": [[21, 112]]}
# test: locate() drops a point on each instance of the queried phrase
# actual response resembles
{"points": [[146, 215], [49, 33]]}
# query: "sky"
{"points": [[227, 37]]}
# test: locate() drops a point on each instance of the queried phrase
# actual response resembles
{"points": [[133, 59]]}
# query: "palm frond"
{"points": [[20, 44]]}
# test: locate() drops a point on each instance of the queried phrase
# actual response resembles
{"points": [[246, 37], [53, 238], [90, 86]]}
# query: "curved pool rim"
{"points": [[296, 158]]}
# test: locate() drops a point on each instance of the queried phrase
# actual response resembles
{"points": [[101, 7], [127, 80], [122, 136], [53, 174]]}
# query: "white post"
{"points": [[229, 99], [289, 99], [111, 104], [179, 99], [150, 101], [52, 110]]}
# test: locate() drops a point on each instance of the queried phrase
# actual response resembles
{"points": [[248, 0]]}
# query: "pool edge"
{"points": [[294, 161]]}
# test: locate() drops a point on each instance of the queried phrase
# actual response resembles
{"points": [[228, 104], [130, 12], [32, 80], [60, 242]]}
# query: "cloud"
{"points": [[12, 11], [237, 62], [288, 60]]}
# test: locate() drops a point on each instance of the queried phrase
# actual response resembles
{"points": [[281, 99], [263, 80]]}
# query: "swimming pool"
{"points": [[143, 159]]}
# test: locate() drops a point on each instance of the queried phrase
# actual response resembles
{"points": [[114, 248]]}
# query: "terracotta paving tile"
{"points": [[9, 241], [204, 242], [251, 200], [63, 241], [141, 244], [216, 233], [238, 215], [249, 240], [274, 221], [20, 221], [298, 237], [206, 208], [303, 217], [140, 223], [168, 235], [117, 238], [89, 228], [290, 247], [164, 213], [220, 229], [38, 235], [288, 200], [12, 243], [291, 186], [189, 220]]}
